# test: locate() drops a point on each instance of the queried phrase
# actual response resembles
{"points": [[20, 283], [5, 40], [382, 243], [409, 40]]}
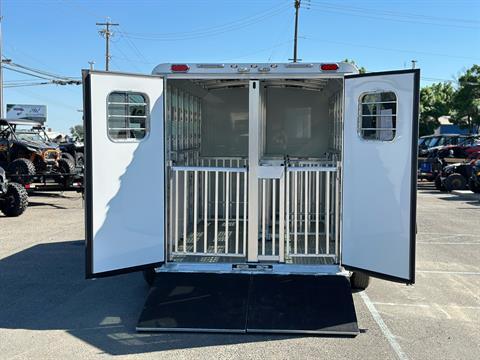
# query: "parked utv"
{"points": [[456, 176], [13, 197], [474, 181], [26, 154]]}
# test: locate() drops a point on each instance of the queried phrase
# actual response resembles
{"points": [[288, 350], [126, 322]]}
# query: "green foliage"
{"points": [[361, 69], [466, 101], [435, 101], [77, 131]]}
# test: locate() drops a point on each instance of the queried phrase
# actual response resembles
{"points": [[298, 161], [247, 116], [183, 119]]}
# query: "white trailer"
{"points": [[296, 169]]}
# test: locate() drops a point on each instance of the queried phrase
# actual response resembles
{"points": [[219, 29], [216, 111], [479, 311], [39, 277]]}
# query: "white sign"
{"points": [[27, 112]]}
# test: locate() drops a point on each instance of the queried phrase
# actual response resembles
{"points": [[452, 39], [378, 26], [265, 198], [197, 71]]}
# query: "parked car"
{"points": [[474, 180], [13, 197], [434, 141], [26, 154]]}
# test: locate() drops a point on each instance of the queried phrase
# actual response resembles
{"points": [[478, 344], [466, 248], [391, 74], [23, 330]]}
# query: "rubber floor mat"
{"points": [[196, 302], [301, 304], [203, 302]]}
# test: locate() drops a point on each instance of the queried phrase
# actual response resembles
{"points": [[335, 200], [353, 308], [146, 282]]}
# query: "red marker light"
{"points": [[180, 68], [329, 67]]}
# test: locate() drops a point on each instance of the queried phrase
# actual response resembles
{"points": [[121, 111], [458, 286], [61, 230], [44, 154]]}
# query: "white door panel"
{"points": [[378, 189], [125, 180]]}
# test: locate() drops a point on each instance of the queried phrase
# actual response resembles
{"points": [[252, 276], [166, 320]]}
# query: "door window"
{"points": [[378, 116], [127, 114]]}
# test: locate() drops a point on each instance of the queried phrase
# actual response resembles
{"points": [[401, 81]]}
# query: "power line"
{"points": [[208, 32], [392, 49], [368, 14], [322, 4]]}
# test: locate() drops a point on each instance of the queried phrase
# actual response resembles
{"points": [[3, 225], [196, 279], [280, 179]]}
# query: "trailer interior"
{"points": [[210, 166]]}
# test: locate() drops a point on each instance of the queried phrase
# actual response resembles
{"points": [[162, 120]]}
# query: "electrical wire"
{"points": [[322, 4], [369, 15], [391, 49], [208, 32]]}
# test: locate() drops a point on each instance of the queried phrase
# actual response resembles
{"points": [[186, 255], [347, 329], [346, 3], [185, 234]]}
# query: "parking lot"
{"points": [[48, 309]]}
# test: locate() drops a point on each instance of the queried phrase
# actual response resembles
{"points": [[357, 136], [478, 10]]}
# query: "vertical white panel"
{"points": [[125, 219], [377, 219]]}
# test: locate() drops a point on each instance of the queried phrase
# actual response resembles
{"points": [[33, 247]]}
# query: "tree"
{"points": [[77, 131], [466, 102], [361, 69], [435, 101]]}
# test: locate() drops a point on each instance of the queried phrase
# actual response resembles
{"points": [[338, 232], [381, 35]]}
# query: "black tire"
{"points": [[79, 159], [149, 276], [359, 280], [455, 182], [21, 171], [473, 186], [68, 156], [15, 201], [438, 183], [66, 166]]}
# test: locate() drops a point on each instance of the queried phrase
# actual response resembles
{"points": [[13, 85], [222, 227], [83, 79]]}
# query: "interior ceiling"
{"points": [[309, 84]]}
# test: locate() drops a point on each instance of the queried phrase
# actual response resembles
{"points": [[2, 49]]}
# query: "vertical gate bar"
{"points": [[254, 153], [176, 210], [300, 201], [245, 213], [170, 204], [263, 216], [287, 212], [237, 212], [215, 224], [185, 196], [337, 210], [205, 213], [227, 207], [195, 209], [317, 215], [295, 200], [327, 211], [306, 212], [274, 209], [281, 224]]}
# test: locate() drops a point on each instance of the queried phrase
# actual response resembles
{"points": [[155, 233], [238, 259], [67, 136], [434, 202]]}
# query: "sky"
{"points": [[61, 37]]}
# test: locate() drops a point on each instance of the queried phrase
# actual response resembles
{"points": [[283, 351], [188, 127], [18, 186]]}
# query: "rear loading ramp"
{"points": [[249, 303]]}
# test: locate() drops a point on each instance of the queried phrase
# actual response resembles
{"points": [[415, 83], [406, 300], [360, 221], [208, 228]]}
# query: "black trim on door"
{"points": [[377, 275], [413, 176], [87, 179], [381, 73], [413, 189]]}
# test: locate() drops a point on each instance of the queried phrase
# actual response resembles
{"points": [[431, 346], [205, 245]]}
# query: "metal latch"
{"points": [[252, 267]]}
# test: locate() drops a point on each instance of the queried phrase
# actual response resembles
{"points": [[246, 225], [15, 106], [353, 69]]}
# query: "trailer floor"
{"points": [[253, 303]]}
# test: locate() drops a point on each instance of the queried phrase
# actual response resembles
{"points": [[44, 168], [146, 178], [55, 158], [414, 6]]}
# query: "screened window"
{"points": [[127, 116], [378, 116]]}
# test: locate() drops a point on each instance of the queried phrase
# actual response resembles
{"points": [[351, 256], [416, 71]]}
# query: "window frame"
{"points": [[147, 116], [360, 116]]}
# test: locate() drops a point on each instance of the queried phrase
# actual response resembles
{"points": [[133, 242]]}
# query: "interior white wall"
{"points": [[298, 121], [225, 123]]}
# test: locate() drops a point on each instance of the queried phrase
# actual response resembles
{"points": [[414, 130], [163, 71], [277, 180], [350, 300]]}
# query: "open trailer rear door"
{"points": [[379, 174], [124, 175]]}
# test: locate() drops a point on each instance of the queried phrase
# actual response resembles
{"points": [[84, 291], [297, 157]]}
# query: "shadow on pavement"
{"points": [[43, 288]]}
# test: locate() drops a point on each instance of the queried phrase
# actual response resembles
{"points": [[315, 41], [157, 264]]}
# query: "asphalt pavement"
{"points": [[49, 310]]}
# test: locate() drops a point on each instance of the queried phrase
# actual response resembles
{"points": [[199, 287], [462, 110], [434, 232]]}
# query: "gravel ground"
{"points": [[48, 309]]}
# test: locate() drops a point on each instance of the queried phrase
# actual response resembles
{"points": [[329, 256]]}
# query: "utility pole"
{"points": [[107, 33], [295, 39]]}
